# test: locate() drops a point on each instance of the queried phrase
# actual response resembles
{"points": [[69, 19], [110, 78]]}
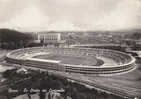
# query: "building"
{"points": [[50, 38]]}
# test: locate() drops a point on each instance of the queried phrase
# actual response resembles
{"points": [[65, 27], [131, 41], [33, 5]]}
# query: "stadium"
{"points": [[73, 60]]}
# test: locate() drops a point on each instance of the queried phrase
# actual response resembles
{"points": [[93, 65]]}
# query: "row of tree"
{"points": [[134, 35]]}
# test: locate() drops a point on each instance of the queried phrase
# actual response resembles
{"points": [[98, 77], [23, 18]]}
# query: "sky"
{"points": [[93, 15]]}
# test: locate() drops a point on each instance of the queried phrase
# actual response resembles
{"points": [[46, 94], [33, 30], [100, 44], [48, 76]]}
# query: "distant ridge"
{"points": [[83, 31]]}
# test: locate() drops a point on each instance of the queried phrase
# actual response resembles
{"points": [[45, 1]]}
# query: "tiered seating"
{"points": [[125, 61]]}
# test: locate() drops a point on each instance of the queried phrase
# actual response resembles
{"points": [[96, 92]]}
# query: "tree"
{"points": [[134, 35], [14, 39]]}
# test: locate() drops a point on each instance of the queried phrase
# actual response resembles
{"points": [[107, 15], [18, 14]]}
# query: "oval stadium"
{"points": [[74, 60]]}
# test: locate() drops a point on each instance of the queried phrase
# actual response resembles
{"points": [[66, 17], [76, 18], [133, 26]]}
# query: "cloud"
{"points": [[124, 16], [73, 15], [30, 17]]}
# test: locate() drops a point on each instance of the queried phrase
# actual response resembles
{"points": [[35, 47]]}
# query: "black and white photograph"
{"points": [[70, 49]]}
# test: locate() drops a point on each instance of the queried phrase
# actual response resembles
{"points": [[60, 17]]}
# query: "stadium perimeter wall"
{"points": [[125, 62]]}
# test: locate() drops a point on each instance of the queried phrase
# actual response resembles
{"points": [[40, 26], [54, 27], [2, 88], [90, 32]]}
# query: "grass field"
{"points": [[75, 60]]}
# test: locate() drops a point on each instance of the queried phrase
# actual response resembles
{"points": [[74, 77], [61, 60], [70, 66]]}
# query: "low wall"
{"points": [[124, 61]]}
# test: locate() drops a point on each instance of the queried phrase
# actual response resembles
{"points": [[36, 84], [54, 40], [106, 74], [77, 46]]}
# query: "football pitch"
{"points": [[74, 60]]}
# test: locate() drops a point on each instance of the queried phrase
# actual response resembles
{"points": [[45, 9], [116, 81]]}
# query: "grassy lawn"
{"points": [[76, 60]]}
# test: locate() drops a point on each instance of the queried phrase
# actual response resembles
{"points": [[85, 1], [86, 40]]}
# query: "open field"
{"points": [[75, 60]]}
